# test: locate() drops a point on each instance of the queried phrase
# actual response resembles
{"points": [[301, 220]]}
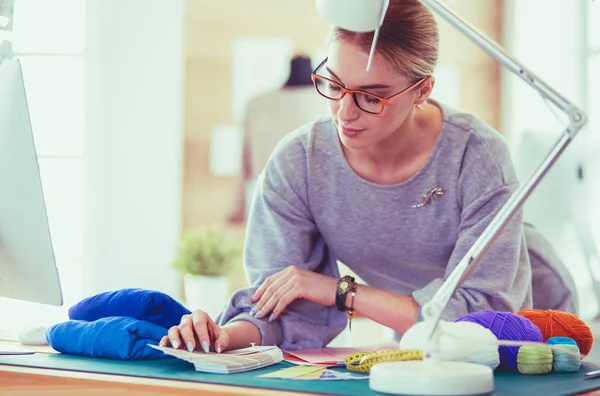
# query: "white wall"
{"points": [[545, 36], [135, 65], [549, 38]]}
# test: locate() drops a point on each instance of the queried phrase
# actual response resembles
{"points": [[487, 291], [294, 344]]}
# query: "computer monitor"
{"points": [[27, 263]]}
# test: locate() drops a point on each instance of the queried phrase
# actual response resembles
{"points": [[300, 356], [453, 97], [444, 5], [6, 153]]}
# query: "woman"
{"points": [[398, 189]]}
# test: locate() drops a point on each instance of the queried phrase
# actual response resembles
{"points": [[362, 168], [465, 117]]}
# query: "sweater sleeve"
{"points": [[502, 279], [280, 233]]}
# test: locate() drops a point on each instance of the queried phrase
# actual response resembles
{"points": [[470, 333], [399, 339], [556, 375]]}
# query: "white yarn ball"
{"points": [[462, 341]]}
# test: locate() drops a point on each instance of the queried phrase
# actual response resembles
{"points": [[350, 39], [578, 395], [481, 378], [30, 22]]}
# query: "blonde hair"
{"points": [[408, 39]]}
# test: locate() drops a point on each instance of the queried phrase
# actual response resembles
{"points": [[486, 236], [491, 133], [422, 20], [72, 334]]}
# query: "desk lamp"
{"points": [[432, 376]]}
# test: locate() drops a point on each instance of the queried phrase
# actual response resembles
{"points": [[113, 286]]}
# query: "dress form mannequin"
{"points": [[269, 117]]}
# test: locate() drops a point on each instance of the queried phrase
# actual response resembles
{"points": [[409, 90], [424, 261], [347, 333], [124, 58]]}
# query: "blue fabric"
{"points": [[112, 337], [149, 305]]}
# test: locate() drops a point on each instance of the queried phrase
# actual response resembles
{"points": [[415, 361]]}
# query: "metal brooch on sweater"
{"points": [[432, 193]]}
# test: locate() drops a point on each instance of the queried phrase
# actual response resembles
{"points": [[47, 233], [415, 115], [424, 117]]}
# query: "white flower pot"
{"points": [[208, 293]]}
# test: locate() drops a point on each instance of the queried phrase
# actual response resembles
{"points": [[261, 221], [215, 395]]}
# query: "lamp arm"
{"points": [[499, 54], [433, 310]]}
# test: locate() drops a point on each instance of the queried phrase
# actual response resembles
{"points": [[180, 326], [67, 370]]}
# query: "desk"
{"points": [[21, 381], [18, 380]]}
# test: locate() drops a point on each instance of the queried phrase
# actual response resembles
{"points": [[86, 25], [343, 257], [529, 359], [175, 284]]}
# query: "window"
{"points": [[593, 14], [560, 58], [55, 92], [49, 27], [592, 133], [593, 78], [49, 39]]}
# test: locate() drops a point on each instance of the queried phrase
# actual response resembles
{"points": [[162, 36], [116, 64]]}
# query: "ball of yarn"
{"points": [[506, 326], [556, 323], [462, 342], [565, 354], [534, 359]]}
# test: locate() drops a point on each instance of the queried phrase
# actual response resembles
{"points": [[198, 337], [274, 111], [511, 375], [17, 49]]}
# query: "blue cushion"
{"points": [[112, 337], [149, 305]]}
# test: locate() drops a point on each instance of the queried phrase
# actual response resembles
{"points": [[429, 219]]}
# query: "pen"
{"points": [[592, 374]]}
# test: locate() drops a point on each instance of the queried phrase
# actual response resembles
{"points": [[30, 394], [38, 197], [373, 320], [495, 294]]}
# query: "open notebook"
{"points": [[228, 362]]}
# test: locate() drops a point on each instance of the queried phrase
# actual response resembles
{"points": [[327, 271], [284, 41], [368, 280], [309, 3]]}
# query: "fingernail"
{"points": [[190, 346], [175, 344], [219, 349], [258, 314], [253, 311], [272, 317], [205, 346]]}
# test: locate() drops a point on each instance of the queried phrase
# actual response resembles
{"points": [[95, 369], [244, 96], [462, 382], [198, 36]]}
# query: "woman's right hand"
{"points": [[197, 332]]}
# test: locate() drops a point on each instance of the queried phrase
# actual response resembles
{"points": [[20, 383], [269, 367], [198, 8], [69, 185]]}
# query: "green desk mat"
{"points": [[174, 369]]}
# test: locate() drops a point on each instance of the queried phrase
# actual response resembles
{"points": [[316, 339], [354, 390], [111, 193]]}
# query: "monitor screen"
{"points": [[27, 264]]}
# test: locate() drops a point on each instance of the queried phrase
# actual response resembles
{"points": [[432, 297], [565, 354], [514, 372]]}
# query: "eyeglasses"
{"points": [[365, 101]]}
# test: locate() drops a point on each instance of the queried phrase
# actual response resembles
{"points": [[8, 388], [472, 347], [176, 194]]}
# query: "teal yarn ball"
{"points": [[563, 361]]}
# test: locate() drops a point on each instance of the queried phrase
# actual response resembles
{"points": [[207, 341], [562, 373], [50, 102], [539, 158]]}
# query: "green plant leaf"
{"points": [[205, 252]]}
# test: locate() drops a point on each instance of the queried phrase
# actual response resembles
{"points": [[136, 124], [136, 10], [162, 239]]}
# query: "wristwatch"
{"points": [[344, 285]]}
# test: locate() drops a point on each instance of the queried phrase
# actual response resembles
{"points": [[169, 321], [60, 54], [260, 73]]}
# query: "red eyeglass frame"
{"points": [[384, 101]]}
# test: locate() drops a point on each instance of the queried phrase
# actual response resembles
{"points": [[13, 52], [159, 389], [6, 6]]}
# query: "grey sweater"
{"points": [[311, 209]]}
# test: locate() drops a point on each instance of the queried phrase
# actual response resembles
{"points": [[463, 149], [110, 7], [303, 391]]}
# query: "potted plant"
{"points": [[205, 258]]}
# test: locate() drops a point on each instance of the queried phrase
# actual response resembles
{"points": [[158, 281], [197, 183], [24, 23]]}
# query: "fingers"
{"points": [[187, 334], [266, 284], [201, 325], [284, 301], [195, 332], [165, 342], [271, 297], [174, 337], [221, 340]]}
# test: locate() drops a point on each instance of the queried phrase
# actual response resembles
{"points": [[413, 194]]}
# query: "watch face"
{"points": [[343, 285]]}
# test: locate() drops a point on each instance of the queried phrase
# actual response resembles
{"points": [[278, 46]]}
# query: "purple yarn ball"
{"points": [[506, 326]]}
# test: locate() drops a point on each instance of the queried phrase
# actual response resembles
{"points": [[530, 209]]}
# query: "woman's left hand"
{"points": [[281, 289]]}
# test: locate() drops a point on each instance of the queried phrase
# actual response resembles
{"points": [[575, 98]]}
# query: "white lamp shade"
{"points": [[354, 15]]}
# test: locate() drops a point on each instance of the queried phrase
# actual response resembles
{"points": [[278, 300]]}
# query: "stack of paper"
{"points": [[229, 362]]}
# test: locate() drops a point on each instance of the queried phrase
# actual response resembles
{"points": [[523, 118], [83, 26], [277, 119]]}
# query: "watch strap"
{"points": [[343, 287]]}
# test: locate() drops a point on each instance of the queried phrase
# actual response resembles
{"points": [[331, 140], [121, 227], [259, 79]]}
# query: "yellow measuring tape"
{"points": [[361, 362]]}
